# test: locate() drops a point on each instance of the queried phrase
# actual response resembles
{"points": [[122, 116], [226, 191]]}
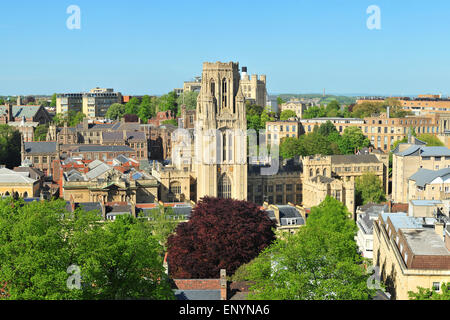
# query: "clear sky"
{"points": [[151, 47]]}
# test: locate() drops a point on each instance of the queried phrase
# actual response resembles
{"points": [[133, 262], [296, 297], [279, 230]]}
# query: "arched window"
{"points": [[311, 172], [224, 187], [25, 195], [175, 188], [317, 172], [325, 172]]}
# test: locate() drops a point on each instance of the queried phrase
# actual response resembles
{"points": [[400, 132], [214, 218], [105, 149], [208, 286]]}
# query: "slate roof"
{"points": [[89, 206], [374, 208], [197, 294], [22, 111], [98, 171], [354, 158], [322, 179], [33, 172], [40, 147], [91, 148], [10, 176], [416, 150], [424, 176], [94, 164]]}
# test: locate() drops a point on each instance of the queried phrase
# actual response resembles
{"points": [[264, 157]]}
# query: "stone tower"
{"points": [[220, 136]]}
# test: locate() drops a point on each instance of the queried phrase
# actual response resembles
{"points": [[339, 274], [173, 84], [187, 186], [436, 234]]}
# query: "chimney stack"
{"points": [[223, 284]]}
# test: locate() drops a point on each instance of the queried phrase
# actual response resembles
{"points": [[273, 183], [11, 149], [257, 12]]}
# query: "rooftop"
{"points": [[425, 242]]}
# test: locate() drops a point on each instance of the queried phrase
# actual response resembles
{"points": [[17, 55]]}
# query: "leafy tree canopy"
{"points": [[319, 262], [287, 114], [40, 240], [369, 189], [220, 234]]}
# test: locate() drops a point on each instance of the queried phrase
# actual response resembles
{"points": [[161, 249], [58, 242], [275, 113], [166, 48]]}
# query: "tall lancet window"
{"points": [[230, 147], [224, 93], [224, 146], [224, 187], [213, 93]]}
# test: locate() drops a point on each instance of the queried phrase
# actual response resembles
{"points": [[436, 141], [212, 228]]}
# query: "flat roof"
{"points": [[425, 242]]}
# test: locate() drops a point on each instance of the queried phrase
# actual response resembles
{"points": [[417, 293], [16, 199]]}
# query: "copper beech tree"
{"points": [[221, 234]]}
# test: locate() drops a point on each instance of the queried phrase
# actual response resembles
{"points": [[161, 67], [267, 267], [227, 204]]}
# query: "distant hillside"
{"points": [[323, 99]]}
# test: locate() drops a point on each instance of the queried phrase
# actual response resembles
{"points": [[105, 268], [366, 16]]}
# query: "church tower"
{"points": [[220, 136]]}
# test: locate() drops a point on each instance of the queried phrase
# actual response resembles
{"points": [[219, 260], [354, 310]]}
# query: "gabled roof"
{"points": [[22, 111], [98, 171], [40, 147], [416, 150], [424, 176]]}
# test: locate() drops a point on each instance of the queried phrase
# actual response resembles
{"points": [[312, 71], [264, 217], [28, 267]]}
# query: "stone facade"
{"points": [[221, 107], [411, 257], [408, 158]]}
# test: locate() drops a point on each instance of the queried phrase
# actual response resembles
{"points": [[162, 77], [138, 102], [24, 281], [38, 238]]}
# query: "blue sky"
{"points": [[151, 47]]}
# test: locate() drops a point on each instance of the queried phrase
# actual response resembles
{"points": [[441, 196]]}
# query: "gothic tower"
{"points": [[220, 135]]}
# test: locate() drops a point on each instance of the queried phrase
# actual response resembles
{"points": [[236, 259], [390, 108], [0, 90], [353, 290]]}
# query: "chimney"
{"points": [[125, 135], [223, 284], [9, 112]]}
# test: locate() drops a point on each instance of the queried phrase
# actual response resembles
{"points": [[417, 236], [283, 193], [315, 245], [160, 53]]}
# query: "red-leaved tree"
{"points": [[221, 234]]}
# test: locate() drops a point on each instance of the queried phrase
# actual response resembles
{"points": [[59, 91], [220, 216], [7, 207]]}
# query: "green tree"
{"points": [[132, 106], [352, 139], [369, 189], [430, 139], [163, 222], [115, 111], [75, 118], [40, 240], [168, 102], [53, 103], [265, 116], [327, 128], [189, 99], [147, 108], [319, 262], [122, 260], [287, 114], [40, 133], [10, 145], [290, 147], [428, 294]]}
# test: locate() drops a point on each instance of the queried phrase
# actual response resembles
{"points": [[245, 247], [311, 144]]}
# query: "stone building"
{"points": [[299, 107], [221, 116], [335, 176], [254, 88], [18, 184], [429, 185], [40, 155], [24, 118], [277, 130], [281, 188], [411, 252], [383, 131], [93, 104], [408, 158], [105, 184], [317, 188]]}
